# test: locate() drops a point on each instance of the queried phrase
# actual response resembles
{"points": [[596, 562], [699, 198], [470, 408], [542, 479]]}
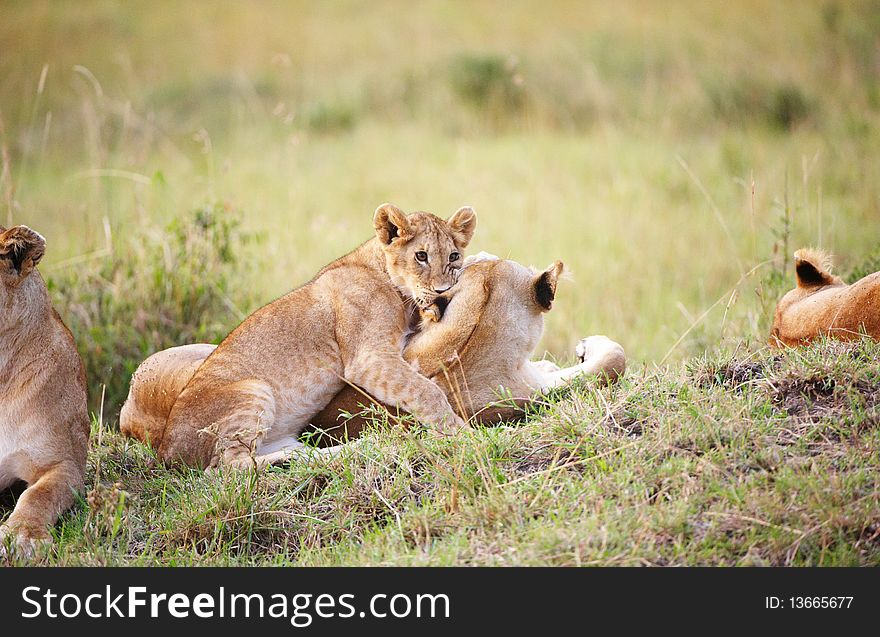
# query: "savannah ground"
{"points": [[189, 162]]}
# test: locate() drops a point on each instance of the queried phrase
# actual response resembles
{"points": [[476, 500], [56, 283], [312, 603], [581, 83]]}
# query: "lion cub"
{"points": [[251, 398], [44, 422], [822, 304]]}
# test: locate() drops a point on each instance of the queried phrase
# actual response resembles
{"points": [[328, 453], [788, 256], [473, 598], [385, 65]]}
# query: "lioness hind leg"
{"points": [[40, 505], [154, 388], [298, 451]]}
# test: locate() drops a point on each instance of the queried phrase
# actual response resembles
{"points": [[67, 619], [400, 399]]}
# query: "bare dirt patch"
{"points": [[816, 397]]}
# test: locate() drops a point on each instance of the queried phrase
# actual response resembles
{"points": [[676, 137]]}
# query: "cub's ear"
{"points": [[391, 223], [23, 248], [813, 268], [463, 222], [545, 286]]}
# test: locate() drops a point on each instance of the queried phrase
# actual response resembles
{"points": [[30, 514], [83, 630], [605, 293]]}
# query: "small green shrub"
{"points": [[750, 100], [158, 288], [487, 81], [863, 268], [330, 117], [789, 107]]}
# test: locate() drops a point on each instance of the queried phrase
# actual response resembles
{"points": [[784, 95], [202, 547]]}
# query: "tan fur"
{"points": [[479, 352], [489, 329], [155, 386], [44, 423], [822, 304], [251, 398]]}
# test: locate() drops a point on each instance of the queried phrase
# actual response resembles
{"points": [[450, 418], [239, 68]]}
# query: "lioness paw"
{"points": [[593, 346], [22, 543]]}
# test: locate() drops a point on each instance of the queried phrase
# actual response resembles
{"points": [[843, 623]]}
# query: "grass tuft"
{"points": [[155, 289]]}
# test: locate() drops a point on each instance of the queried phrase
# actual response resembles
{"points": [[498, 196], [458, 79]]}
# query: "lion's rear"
{"points": [[155, 386]]}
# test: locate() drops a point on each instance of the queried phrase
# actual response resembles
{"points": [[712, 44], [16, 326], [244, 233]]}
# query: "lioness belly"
{"points": [[16, 462], [8, 464], [13, 444]]}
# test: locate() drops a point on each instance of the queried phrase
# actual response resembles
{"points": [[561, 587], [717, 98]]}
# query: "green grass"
{"points": [[657, 162], [672, 156], [738, 458]]}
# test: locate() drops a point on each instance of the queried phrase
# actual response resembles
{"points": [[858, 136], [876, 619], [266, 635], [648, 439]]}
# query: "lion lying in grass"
{"points": [[44, 420], [248, 402], [491, 322], [479, 352], [823, 305]]}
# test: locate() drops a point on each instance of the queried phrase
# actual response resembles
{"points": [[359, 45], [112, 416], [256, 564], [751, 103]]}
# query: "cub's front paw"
{"points": [[449, 427], [600, 355], [431, 314]]}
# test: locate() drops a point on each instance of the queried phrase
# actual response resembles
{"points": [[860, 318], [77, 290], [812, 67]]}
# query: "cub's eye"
{"points": [[422, 256], [455, 256]]}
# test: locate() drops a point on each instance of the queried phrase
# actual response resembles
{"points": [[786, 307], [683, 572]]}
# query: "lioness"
{"points": [[822, 304], [478, 353], [44, 422], [251, 398]]}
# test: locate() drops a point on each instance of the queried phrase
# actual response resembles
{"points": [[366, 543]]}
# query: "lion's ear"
{"points": [[391, 223], [23, 248], [813, 268], [544, 286], [463, 223]]}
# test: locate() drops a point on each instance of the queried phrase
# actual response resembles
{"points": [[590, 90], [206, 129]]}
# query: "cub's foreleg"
{"points": [[393, 381], [298, 451]]}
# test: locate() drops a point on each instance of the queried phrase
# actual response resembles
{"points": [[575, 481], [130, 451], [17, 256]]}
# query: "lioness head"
{"points": [[813, 272], [509, 299], [423, 253], [20, 251]]}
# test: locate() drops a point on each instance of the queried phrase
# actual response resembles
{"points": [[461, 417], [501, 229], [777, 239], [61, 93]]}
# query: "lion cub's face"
{"points": [[20, 251], [423, 253]]}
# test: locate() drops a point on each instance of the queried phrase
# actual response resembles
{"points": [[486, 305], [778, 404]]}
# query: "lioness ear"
{"points": [[390, 223], [23, 248], [813, 268], [545, 286], [463, 223]]}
